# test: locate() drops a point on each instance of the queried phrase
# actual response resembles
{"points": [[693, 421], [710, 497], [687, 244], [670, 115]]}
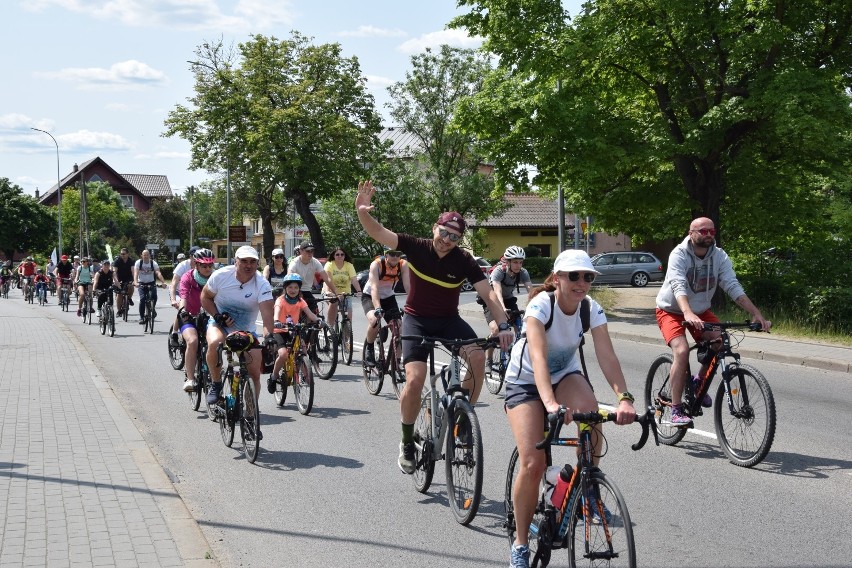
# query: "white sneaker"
{"points": [[189, 385]]}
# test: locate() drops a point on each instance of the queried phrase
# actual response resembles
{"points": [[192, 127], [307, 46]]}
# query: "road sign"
{"points": [[152, 246], [237, 233], [172, 242]]}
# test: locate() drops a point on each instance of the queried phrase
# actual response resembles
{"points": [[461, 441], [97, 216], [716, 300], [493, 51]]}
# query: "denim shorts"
{"points": [[517, 394]]}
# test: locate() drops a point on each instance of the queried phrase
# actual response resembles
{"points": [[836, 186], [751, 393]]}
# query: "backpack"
{"points": [[503, 265], [383, 271]]}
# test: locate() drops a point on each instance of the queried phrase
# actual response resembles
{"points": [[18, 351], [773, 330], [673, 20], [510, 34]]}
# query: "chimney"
{"points": [[76, 169], [36, 195]]}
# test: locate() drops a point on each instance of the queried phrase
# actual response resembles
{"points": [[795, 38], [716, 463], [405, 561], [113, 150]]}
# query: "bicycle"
{"points": [[322, 345], [65, 293], [150, 312], [6, 289], [202, 373], [343, 331], [390, 365], [29, 296], [121, 294], [86, 309], [747, 430], [296, 370], [41, 292], [238, 402], [107, 316], [495, 369], [462, 448], [591, 520]]}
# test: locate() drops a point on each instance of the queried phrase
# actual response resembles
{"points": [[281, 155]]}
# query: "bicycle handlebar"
{"points": [[722, 326], [484, 342], [555, 421]]}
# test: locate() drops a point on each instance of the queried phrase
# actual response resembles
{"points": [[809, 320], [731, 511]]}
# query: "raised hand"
{"points": [[365, 196]]}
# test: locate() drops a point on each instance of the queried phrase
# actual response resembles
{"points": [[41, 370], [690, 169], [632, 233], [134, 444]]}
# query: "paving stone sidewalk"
{"points": [[78, 484]]}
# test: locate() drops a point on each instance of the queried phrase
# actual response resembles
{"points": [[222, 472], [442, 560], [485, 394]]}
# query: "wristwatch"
{"points": [[503, 326], [626, 396]]}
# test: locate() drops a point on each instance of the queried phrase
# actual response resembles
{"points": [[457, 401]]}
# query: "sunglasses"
{"points": [[574, 276], [278, 256], [705, 232], [339, 254], [308, 250], [445, 234]]}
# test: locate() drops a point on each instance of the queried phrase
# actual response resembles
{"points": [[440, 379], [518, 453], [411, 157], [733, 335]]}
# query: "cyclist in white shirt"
{"points": [[146, 271]]}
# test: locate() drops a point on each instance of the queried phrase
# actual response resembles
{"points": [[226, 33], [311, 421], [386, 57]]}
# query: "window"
{"points": [[624, 259], [222, 251], [544, 248], [529, 233], [549, 234], [127, 201], [96, 177], [604, 260]]}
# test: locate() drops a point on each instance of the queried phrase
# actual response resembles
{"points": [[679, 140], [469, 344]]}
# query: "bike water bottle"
{"points": [[563, 484], [551, 475]]}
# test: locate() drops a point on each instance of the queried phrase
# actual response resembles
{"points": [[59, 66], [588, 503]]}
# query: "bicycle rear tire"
{"points": [[610, 541], [226, 419], [347, 342], [747, 438], [324, 353], [303, 386], [249, 421], [464, 463], [658, 396], [424, 469]]}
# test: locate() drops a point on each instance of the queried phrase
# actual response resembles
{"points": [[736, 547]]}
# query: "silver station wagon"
{"points": [[634, 268]]}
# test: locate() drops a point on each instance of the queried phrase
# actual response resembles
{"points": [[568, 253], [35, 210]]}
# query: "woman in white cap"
{"points": [[545, 373], [275, 272]]}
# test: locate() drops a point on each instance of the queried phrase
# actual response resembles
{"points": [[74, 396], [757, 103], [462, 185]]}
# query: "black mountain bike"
{"points": [[322, 345], [107, 316], [343, 331], [65, 294], [743, 409], [498, 362], [150, 312], [388, 359]]}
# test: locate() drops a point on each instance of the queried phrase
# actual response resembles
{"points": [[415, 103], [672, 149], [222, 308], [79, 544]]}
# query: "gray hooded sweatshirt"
{"points": [[697, 278]]}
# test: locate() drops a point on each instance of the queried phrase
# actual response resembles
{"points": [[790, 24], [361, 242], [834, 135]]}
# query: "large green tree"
{"points": [[25, 226], [650, 113], [448, 161], [109, 221], [292, 120]]}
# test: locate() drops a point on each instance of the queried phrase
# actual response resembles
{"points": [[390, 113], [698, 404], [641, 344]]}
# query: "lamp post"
{"points": [[58, 189]]}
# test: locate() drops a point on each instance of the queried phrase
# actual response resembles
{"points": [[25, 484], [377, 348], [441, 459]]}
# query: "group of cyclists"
{"points": [[544, 371]]}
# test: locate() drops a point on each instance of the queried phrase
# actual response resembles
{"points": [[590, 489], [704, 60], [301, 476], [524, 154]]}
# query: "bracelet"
{"points": [[626, 396]]}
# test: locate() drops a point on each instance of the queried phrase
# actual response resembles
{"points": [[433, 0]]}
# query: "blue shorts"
{"points": [[519, 394]]}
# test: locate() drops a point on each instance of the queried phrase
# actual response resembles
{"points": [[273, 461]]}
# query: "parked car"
{"points": [[486, 268], [634, 268]]}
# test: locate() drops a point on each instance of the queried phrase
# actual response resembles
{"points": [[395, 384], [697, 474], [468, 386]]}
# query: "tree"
{"points": [[655, 112], [451, 168], [166, 219], [109, 221], [25, 225], [284, 116]]}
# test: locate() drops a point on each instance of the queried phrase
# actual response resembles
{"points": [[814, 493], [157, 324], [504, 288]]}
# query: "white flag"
{"points": [[53, 258]]}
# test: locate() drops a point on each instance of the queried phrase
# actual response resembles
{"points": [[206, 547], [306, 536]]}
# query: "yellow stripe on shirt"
{"points": [[441, 283]]}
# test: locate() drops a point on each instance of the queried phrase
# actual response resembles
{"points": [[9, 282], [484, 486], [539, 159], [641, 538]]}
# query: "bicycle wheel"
{"points": [[493, 376], [658, 396], [508, 502], [346, 342], [249, 421], [324, 353], [111, 323], [424, 443], [152, 315], [464, 463], [177, 355], [303, 386], [396, 371], [226, 420], [374, 375], [600, 533], [87, 310], [746, 434], [126, 311], [104, 322], [281, 386]]}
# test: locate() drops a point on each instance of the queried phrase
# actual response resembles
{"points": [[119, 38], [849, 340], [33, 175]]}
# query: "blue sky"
{"points": [[101, 75]]}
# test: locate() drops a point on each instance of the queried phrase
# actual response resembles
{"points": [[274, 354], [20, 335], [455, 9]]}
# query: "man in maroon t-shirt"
{"points": [[437, 268]]}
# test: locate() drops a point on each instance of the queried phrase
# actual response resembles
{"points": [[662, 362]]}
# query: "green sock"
{"points": [[407, 433]]}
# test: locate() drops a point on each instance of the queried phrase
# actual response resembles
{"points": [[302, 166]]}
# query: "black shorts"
{"points": [[511, 303], [519, 394], [450, 328], [389, 305], [311, 301]]}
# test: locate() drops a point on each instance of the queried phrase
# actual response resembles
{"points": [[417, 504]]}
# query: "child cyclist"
{"points": [[289, 308], [40, 281]]}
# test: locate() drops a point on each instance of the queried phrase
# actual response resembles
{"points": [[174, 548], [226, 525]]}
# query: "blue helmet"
{"points": [[292, 277]]}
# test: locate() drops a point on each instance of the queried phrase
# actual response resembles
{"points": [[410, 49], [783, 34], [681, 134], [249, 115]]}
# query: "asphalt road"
{"points": [[326, 491]]}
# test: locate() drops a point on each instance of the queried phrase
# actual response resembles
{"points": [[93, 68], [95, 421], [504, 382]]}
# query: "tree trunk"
{"points": [[303, 207], [704, 181]]}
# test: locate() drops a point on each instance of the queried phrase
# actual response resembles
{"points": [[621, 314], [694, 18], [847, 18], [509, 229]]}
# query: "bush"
{"points": [[830, 309], [538, 267]]}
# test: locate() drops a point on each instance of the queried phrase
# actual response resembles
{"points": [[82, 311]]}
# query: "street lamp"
{"points": [[58, 188]]}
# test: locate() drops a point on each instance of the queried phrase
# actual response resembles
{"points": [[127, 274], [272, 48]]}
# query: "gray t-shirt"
{"points": [[508, 281]]}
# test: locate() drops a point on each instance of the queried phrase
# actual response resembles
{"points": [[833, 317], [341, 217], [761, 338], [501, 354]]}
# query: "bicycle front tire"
{"points": [[600, 533], [347, 342], [303, 386], [493, 376], [177, 355], [509, 507], [249, 421], [226, 420], [464, 462], [424, 469], [396, 370], [746, 435], [658, 395], [374, 376]]}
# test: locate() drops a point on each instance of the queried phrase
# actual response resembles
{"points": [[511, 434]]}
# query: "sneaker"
{"points": [[520, 556], [678, 416], [270, 385], [406, 457], [141, 321], [461, 431], [79, 313], [130, 301], [173, 339], [706, 401], [189, 385], [369, 355], [91, 310], [213, 393]]}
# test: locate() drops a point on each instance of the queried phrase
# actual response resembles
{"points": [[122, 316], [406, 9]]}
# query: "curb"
{"points": [[189, 540]]}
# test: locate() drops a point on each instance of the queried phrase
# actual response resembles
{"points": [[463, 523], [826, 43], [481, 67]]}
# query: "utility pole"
{"points": [[191, 217]]}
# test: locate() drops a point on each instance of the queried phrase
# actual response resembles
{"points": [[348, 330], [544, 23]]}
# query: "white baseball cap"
{"points": [[246, 252], [573, 260]]}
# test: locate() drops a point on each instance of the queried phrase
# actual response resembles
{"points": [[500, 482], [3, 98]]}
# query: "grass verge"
{"points": [[793, 327]]}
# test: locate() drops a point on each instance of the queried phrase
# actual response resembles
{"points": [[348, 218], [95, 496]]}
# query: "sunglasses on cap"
{"points": [[445, 234], [705, 232], [574, 276]]}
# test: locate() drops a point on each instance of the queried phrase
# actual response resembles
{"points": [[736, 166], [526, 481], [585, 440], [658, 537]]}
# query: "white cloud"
{"points": [[455, 38], [196, 15], [86, 140], [15, 122], [163, 155], [130, 74], [372, 31], [379, 82]]}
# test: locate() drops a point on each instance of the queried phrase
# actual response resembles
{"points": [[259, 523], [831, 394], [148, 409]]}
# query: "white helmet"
{"points": [[514, 252]]}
